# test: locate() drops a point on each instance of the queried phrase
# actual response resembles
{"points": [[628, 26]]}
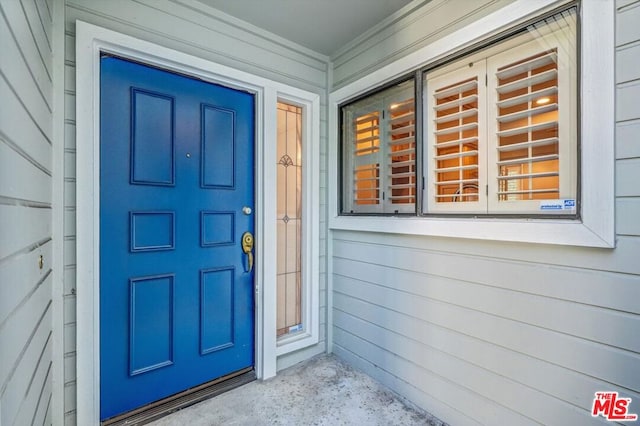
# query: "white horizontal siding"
{"points": [[25, 212], [501, 333], [187, 26]]}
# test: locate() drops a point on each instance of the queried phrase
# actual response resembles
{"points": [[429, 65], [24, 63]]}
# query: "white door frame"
{"points": [[90, 41]]}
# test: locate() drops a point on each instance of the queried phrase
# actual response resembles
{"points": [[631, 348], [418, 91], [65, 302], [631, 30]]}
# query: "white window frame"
{"points": [[381, 103], [310, 238], [90, 41], [483, 65], [595, 228]]}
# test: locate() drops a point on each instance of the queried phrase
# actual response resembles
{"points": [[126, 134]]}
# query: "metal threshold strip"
{"points": [[181, 400]]}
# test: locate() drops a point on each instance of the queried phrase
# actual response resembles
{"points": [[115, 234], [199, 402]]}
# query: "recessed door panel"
{"points": [[176, 169]]}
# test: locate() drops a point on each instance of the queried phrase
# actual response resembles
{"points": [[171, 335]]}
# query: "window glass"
{"points": [[289, 220], [379, 152], [501, 125], [499, 132]]}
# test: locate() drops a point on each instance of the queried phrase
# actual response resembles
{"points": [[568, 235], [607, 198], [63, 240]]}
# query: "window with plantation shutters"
{"points": [[497, 133], [379, 152], [501, 126], [456, 139]]}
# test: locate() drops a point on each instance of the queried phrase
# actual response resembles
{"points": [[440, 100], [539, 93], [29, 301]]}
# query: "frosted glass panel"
{"points": [[289, 212]]}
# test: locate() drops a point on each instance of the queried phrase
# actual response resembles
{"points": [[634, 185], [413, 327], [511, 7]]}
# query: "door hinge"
{"points": [[486, 190], [486, 80]]}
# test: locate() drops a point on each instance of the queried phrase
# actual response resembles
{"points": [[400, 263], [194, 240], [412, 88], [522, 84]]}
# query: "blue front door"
{"points": [[176, 290]]}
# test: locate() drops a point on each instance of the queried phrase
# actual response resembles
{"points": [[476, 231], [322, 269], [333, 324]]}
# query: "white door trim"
{"points": [[90, 41]]}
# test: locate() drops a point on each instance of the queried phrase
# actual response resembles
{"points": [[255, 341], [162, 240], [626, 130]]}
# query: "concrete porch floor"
{"points": [[321, 391]]}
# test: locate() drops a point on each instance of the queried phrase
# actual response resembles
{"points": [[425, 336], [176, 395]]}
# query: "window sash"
{"points": [[379, 151], [455, 128], [504, 173], [548, 159]]}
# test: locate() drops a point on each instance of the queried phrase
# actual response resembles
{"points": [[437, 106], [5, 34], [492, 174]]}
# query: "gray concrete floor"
{"points": [[321, 391]]}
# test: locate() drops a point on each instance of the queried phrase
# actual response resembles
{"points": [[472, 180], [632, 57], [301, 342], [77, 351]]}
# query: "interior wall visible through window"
{"points": [[289, 220]]}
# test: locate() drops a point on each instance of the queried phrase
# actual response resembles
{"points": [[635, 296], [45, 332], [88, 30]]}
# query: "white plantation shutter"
{"points": [[499, 132], [366, 158], [455, 131], [400, 145], [501, 125], [380, 153], [532, 159]]}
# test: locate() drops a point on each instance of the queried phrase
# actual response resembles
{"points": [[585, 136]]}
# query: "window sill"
{"points": [[540, 231], [296, 341]]}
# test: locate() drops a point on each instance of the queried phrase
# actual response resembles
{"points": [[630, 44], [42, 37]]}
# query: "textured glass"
{"points": [[289, 215]]}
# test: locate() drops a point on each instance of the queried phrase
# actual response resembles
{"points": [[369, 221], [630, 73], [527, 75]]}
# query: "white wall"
{"points": [[489, 332], [25, 211], [187, 26]]}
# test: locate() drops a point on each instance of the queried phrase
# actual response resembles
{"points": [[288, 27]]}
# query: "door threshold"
{"points": [[173, 403]]}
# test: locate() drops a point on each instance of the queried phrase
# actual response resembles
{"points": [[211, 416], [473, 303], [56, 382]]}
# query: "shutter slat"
{"points": [[410, 128], [404, 163], [528, 160], [540, 61], [402, 118], [527, 97], [402, 141], [456, 90], [457, 182], [528, 81], [368, 129], [456, 116], [455, 103], [402, 186], [366, 118], [528, 191], [526, 129], [456, 155], [528, 175], [457, 142], [517, 146], [455, 169], [403, 175], [367, 139], [527, 113], [409, 151], [456, 129]]}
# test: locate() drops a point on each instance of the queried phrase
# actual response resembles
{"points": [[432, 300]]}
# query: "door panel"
{"points": [[176, 169]]}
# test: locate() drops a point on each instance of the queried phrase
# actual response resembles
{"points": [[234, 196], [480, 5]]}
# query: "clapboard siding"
{"points": [[582, 355], [407, 333], [23, 38], [629, 56], [465, 381], [24, 132], [187, 26], [24, 278], [25, 213], [627, 214], [501, 333], [627, 30], [627, 142], [627, 105], [468, 293], [23, 180]]}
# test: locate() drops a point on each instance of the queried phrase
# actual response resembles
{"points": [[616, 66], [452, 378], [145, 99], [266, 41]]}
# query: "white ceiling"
{"points": [[320, 25]]}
